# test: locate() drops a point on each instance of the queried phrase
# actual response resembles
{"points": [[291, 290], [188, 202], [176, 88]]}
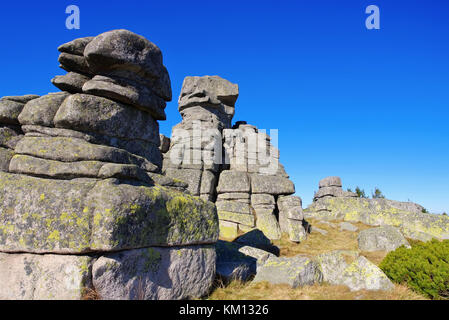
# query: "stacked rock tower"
{"points": [[236, 167], [83, 206], [206, 105]]}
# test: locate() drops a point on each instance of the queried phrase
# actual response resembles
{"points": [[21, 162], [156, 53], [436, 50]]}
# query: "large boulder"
{"points": [[385, 238], [44, 277], [274, 185], [58, 216], [360, 274], [296, 271], [120, 51], [155, 273]]}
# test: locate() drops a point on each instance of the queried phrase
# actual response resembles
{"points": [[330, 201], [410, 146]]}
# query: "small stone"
{"points": [[346, 226]]}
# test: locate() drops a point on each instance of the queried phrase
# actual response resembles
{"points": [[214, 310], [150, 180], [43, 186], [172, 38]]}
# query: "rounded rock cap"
{"points": [[330, 182]]}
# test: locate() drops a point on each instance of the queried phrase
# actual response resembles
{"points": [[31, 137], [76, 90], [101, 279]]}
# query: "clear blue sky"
{"points": [[371, 106]]}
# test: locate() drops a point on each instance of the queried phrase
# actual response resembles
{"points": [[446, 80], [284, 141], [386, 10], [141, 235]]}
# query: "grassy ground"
{"points": [[315, 244]]}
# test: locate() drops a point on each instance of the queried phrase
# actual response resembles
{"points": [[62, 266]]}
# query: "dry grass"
{"points": [[315, 244], [90, 294], [265, 291]]}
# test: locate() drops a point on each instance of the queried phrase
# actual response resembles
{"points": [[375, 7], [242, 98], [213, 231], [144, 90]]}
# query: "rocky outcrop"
{"points": [[237, 168], [83, 204], [408, 217]]}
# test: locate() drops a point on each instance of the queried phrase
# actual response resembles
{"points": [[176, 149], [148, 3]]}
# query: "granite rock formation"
{"points": [[335, 204], [83, 203], [236, 167]]}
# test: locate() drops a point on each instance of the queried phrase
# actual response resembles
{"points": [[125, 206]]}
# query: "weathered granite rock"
{"points": [[385, 238], [271, 184], [330, 182], [232, 181], [257, 239], [329, 192], [228, 230], [211, 92], [5, 159], [346, 226], [128, 92], [20, 99], [84, 184], [115, 51], [9, 111], [245, 219], [89, 113], [296, 271], [10, 136], [268, 224], [191, 176], [155, 273], [71, 82], [233, 264], [44, 277], [48, 216], [164, 143], [74, 149], [76, 46], [41, 111], [362, 274], [71, 62], [357, 275], [262, 199], [332, 265]]}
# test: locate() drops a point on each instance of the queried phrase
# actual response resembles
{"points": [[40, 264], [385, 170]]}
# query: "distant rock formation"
{"points": [[332, 203], [83, 205], [234, 166]]}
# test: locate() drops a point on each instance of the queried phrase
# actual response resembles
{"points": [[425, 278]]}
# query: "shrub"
{"points": [[360, 193], [424, 268], [377, 194], [424, 210]]}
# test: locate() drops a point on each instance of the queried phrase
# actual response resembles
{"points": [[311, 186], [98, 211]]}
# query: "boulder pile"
{"points": [[83, 206], [236, 167], [332, 203]]}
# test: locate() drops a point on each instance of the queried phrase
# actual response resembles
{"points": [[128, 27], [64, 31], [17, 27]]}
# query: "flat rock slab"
{"points": [[274, 185], [58, 216], [155, 273], [44, 277], [296, 271], [233, 181], [346, 226], [385, 238], [238, 262]]}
